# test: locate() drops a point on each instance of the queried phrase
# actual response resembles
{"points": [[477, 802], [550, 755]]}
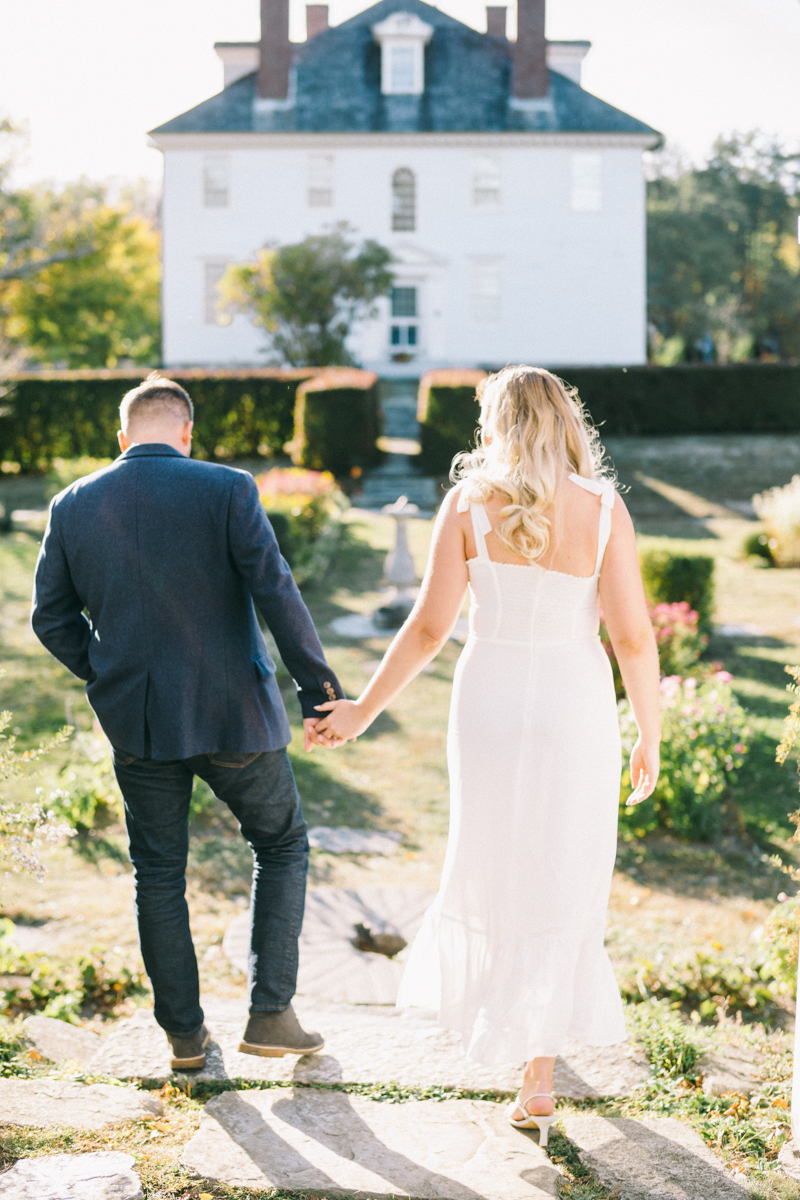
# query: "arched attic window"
{"points": [[404, 200]]}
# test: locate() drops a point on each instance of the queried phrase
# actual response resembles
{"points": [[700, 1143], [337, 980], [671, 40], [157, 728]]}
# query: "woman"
{"points": [[511, 952]]}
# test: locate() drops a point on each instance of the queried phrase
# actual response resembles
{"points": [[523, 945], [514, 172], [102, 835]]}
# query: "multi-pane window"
{"points": [[586, 190], [403, 70], [404, 200], [485, 290], [321, 180], [212, 274], [404, 329], [486, 181], [216, 181]]}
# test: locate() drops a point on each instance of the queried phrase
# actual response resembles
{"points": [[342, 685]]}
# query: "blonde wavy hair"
{"points": [[533, 431]]}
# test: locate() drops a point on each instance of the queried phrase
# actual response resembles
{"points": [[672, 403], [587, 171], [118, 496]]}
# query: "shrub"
{"points": [[448, 413], [705, 737], [52, 415], [59, 987], [336, 422], [305, 508], [678, 638], [760, 545], [26, 826], [670, 578], [703, 983], [783, 930], [91, 797], [779, 509]]}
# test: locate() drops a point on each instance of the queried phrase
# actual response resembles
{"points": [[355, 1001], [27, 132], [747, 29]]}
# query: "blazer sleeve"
{"points": [[266, 573], [57, 610]]}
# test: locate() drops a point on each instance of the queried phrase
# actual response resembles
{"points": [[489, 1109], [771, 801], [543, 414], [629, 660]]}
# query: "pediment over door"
{"points": [[409, 255]]}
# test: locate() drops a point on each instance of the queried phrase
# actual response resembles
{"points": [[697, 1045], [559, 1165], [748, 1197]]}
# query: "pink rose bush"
{"points": [[678, 637]]}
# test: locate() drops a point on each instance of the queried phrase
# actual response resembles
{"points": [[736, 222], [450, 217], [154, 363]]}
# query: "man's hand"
{"points": [[312, 738]]}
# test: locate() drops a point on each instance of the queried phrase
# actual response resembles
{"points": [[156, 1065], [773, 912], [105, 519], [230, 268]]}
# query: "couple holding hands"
{"points": [[146, 587]]}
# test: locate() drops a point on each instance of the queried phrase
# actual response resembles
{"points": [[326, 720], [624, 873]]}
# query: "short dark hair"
{"points": [[155, 396]]}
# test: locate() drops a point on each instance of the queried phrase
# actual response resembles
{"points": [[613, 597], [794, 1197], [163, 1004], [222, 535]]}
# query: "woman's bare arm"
{"points": [[422, 636], [634, 643]]}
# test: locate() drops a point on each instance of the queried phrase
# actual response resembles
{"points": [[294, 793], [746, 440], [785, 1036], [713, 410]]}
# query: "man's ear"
{"points": [[123, 441], [186, 437]]}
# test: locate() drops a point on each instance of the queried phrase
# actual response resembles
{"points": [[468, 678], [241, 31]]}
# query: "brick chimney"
{"points": [[316, 19], [530, 53], [276, 51], [496, 21]]}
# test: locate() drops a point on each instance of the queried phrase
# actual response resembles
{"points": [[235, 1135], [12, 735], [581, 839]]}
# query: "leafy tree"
{"points": [[88, 293], [723, 258], [309, 295]]}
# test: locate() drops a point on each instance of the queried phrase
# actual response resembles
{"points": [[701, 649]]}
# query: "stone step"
{"points": [[658, 1158], [101, 1175], [330, 1143], [379, 490], [362, 1045], [59, 1041], [400, 417], [40, 1103]]}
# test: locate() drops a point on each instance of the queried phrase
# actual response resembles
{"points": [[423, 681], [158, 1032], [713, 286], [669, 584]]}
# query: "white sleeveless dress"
{"points": [[511, 952]]}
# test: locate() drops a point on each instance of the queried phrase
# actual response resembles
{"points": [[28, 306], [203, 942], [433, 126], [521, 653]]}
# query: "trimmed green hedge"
{"points": [[669, 578], [336, 422], [67, 414], [692, 398], [448, 417]]}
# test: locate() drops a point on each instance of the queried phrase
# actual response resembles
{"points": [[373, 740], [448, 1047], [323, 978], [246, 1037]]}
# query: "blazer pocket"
{"points": [[264, 666]]}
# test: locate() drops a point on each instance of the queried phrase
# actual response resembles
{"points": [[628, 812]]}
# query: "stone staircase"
{"points": [[358, 1117], [273, 1128], [399, 475]]}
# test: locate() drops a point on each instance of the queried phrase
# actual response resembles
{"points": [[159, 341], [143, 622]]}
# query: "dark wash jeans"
{"points": [[260, 791]]}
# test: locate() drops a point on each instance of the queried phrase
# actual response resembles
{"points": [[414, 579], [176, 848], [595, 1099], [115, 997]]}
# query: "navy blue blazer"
{"points": [[144, 587]]}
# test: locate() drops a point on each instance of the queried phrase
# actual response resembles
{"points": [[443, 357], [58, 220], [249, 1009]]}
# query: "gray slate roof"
{"points": [[468, 87]]}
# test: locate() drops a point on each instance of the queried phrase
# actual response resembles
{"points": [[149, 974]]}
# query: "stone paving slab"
{"points": [[658, 1158], [731, 1072], [333, 1143], [341, 839], [789, 1159], [61, 1102], [330, 966], [363, 1045], [102, 1175], [60, 1042]]}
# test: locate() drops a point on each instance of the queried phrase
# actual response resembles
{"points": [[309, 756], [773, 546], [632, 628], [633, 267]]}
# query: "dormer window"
{"points": [[403, 38]]}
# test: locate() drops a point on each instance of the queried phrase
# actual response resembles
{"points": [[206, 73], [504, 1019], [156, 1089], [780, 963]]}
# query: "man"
{"points": [[166, 556]]}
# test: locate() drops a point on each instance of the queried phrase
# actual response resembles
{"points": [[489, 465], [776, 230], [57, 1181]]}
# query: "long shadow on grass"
{"points": [[741, 657], [658, 516]]}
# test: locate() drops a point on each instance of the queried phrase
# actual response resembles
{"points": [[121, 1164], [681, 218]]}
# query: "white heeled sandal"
{"points": [[530, 1120]]}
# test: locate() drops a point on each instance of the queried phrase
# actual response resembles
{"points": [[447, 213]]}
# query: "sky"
{"points": [[90, 77]]}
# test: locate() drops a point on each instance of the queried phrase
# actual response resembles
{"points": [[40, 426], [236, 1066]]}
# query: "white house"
{"points": [[512, 200]]}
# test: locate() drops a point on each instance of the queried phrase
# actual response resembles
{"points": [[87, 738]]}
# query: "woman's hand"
{"points": [[644, 771], [344, 720]]}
